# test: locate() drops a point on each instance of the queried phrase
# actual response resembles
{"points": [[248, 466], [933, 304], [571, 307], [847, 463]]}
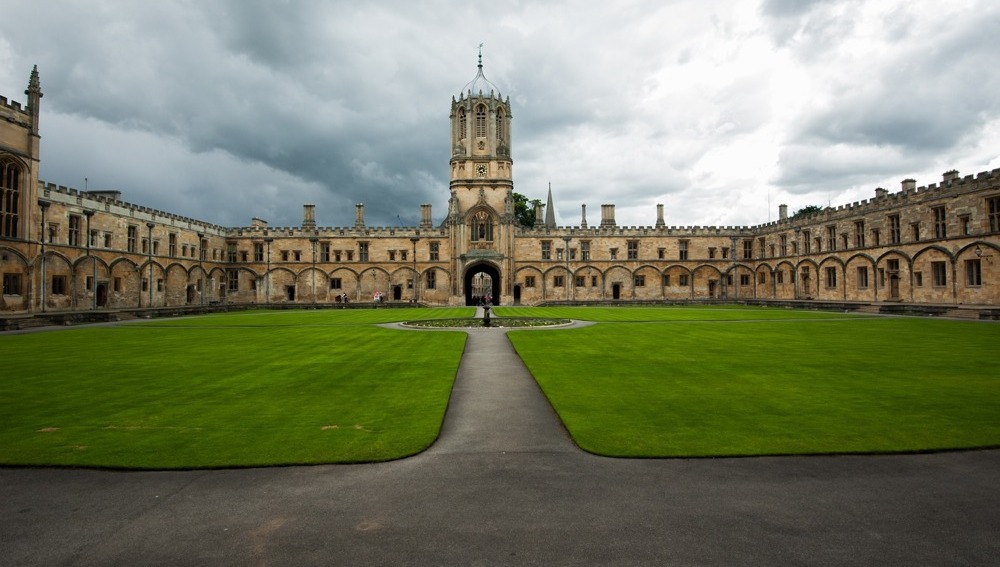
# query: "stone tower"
{"points": [[481, 206]]}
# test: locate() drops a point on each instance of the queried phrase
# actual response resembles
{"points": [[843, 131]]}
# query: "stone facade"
{"points": [[62, 249]]}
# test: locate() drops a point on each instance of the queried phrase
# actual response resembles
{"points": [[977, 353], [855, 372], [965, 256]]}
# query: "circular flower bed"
{"points": [[505, 322]]}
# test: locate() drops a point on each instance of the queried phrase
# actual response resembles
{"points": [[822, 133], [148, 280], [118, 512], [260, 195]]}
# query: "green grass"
{"points": [[297, 387], [247, 389], [752, 381]]}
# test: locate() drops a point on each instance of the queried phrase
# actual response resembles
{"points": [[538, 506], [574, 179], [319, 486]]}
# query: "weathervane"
{"points": [[480, 55]]}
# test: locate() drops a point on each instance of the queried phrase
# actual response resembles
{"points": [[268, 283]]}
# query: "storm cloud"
{"points": [[227, 110]]}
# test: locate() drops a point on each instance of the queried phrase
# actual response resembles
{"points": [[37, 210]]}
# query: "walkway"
{"points": [[504, 485]]}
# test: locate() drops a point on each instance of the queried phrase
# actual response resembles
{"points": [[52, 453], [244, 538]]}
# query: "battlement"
{"points": [[338, 231], [630, 231], [12, 105], [12, 111], [951, 185], [107, 201]]}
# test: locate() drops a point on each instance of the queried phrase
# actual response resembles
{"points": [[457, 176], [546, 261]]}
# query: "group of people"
{"points": [[340, 298], [483, 300], [377, 297]]}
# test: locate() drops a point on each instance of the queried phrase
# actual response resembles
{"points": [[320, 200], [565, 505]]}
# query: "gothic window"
{"points": [[482, 227], [940, 224], [481, 121], [500, 132], [10, 197], [462, 124]]}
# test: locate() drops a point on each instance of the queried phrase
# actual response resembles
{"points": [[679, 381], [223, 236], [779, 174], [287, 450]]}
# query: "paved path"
{"points": [[504, 485]]}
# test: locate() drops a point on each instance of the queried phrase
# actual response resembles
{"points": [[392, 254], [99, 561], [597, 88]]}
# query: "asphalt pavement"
{"points": [[505, 485]]}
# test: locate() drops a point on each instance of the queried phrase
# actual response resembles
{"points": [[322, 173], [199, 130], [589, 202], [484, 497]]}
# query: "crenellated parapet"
{"points": [[326, 232], [909, 195], [13, 112], [631, 231], [105, 201]]}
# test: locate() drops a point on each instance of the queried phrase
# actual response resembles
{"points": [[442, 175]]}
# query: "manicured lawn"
{"points": [[752, 381], [243, 389]]}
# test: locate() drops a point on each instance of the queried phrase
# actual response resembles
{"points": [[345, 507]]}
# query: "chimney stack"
{"points": [[782, 212], [359, 218], [950, 175], [309, 217], [880, 192], [539, 215], [608, 216], [659, 216], [425, 216], [909, 185], [583, 216]]}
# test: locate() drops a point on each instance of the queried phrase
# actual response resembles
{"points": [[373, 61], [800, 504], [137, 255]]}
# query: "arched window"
{"points": [[10, 197], [462, 124], [500, 132], [482, 227], [481, 121]]}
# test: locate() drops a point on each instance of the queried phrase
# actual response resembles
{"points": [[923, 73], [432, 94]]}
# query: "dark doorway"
{"points": [[190, 294], [517, 295], [711, 288], [290, 291], [102, 295], [616, 291], [480, 280], [397, 292]]}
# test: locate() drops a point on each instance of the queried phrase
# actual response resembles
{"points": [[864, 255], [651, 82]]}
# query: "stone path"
{"points": [[504, 485]]}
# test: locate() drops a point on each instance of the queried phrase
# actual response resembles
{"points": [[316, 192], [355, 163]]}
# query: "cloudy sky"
{"points": [[223, 110]]}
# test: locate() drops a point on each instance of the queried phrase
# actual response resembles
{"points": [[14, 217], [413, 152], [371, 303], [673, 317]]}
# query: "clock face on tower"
{"points": [[481, 170]]}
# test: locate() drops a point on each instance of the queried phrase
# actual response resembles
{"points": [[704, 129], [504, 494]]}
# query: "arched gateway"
{"points": [[481, 279]]}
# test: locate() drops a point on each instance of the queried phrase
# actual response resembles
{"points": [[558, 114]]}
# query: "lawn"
{"points": [[755, 381], [246, 389]]}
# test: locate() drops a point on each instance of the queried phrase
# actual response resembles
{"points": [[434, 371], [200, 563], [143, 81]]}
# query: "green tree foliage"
{"points": [[806, 211], [524, 209]]}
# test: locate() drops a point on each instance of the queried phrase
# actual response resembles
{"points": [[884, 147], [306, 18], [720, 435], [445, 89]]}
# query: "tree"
{"points": [[524, 209], [807, 211]]}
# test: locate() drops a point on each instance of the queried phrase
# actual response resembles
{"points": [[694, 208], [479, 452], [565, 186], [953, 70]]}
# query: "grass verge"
{"points": [[755, 381], [246, 389]]}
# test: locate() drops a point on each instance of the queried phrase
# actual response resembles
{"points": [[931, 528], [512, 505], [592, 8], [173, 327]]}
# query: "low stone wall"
{"points": [[65, 318]]}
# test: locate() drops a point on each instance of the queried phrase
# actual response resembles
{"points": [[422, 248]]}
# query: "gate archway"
{"points": [[481, 279]]}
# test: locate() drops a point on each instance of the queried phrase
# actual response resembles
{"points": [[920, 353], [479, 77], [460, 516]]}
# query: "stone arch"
{"points": [[784, 280], [705, 283], [484, 267], [529, 293], [618, 283]]}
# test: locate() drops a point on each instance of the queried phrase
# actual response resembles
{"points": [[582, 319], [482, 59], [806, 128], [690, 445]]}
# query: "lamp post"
{"points": [[313, 240], [201, 267], [93, 282], [414, 240], [566, 239], [44, 205], [149, 258], [267, 274]]}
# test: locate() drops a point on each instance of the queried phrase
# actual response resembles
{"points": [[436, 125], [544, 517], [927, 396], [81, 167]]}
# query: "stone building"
{"points": [[66, 250]]}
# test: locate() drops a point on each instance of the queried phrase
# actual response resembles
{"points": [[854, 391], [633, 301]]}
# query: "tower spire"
{"points": [[34, 93], [480, 57], [550, 213]]}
